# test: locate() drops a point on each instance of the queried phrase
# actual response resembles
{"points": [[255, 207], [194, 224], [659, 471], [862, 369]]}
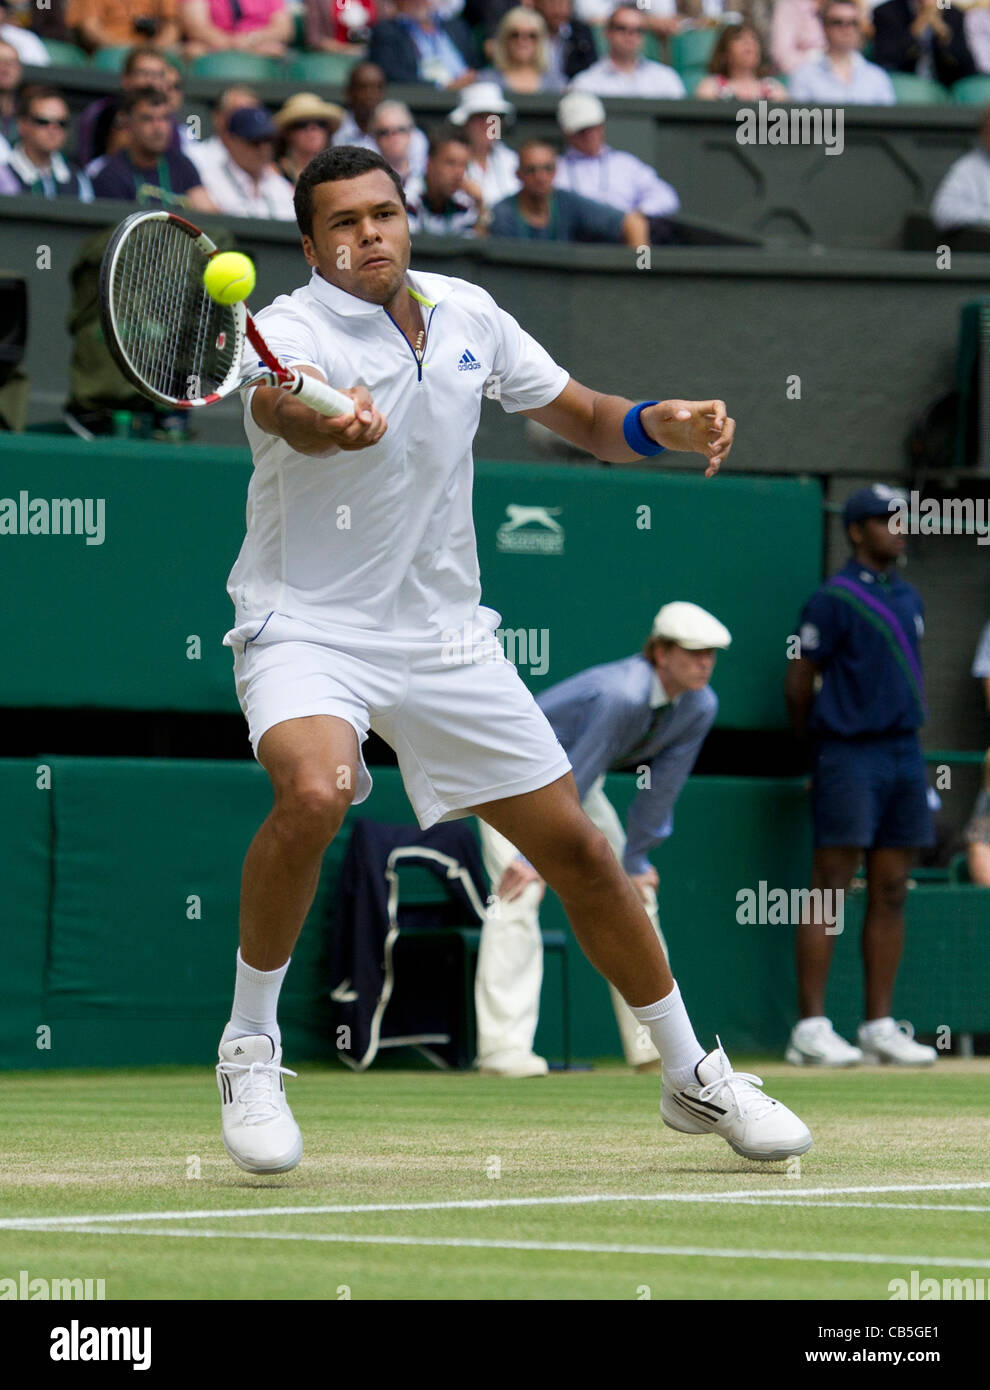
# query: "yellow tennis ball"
{"points": [[229, 277]]}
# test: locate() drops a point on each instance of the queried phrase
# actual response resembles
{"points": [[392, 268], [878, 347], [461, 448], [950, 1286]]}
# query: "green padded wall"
{"points": [[109, 625], [26, 821]]}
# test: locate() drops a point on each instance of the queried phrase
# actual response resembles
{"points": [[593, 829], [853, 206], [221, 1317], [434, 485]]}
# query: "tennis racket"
{"points": [[178, 346]]}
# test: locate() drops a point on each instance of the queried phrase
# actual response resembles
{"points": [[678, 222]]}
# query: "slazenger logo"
{"points": [[531, 531], [468, 363]]}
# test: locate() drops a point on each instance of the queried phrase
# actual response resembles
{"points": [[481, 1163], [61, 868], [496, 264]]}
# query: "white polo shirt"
{"points": [[381, 540]]}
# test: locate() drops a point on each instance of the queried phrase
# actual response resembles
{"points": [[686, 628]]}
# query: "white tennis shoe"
{"points": [[815, 1043], [259, 1132], [887, 1042], [728, 1103]]}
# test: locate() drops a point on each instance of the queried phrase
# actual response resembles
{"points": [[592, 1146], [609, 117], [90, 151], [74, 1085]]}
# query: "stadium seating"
{"points": [[238, 67], [111, 59], [918, 91], [327, 69], [66, 55], [972, 91], [692, 49]]}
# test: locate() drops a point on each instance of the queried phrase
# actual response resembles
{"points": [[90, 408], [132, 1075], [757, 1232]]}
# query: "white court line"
{"points": [[759, 1197], [567, 1247]]}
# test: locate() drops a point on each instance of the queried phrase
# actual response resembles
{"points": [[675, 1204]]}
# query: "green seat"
{"points": [[111, 59], [912, 90], [693, 48], [601, 43], [66, 55], [971, 91], [691, 77], [238, 67], [959, 868], [328, 69]]}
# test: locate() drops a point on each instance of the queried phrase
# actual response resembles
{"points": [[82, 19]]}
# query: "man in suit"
{"points": [[919, 36], [415, 46], [572, 44]]}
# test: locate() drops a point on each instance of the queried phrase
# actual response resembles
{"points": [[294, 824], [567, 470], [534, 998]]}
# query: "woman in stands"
{"points": [[737, 70], [305, 125], [521, 54]]}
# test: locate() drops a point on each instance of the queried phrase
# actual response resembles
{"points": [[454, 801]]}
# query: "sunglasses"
{"points": [[626, 28], [49, 120], [537, 168], [308, 125], [842, 23], [392, 130], [523, 34]]}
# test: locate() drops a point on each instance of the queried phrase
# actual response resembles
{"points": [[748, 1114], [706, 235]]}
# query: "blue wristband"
{"points": [[636, 437]]}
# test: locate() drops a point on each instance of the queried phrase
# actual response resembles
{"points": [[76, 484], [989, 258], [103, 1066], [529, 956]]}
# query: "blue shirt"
{"points": [[871, 667], [605, 722], [439, 59]]}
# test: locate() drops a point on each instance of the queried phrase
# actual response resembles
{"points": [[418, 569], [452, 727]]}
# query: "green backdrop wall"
{"points": [[119, 918], [110, 625]]}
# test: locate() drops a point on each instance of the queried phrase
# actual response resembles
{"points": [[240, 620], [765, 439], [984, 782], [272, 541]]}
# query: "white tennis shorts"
{"points": [[463, 725]]}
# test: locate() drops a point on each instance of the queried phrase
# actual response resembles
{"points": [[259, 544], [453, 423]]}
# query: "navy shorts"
{"points": [[871, 794]]}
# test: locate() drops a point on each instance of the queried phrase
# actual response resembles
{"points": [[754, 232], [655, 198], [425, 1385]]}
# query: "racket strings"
{"points": [[178, 341]]}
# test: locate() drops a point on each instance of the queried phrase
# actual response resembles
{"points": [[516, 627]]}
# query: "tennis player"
{"points": [[360, 554]]}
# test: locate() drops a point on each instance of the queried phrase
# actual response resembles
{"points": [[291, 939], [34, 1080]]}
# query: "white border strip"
{"points": [[760, 1197], [896, 1261]]}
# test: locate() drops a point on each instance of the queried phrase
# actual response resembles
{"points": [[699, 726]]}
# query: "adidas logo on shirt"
{"points": [[468, 363]]}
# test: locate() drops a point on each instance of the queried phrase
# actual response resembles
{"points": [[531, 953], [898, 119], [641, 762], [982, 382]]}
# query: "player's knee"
{"points": [[311, 808], [586, 860]]}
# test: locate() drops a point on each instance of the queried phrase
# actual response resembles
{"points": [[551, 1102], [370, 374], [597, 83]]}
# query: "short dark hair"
{"points": [[538, 140], [143, 50], [447, 135], [143, 96], [33, 92], [332, 166]]}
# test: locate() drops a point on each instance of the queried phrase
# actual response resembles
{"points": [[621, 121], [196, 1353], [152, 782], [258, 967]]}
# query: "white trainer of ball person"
{"points": [[652, 710]]}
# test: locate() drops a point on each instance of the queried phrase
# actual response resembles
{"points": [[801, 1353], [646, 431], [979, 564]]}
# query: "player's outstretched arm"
{"points": [[309, 432], [594, 421]]}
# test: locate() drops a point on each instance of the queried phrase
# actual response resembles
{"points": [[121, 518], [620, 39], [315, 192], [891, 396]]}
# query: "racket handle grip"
{"points": [[318, 395]]}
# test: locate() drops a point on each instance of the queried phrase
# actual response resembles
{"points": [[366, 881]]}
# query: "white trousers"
{"points": [[510, 959]]}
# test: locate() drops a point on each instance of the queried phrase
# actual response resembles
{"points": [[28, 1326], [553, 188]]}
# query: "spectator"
{"points": [[796, 34], [365, 91], [572, 44], [99, 131], [444, 202], [261, 27], [521, 54], [976, 28], [28, 47], [593, 169], [962, 199], [305, 125], [206, 154], [737, 71], [624, 72], [857, 692], [541, 212], [482, 112], [335, 26], [919, 36], [36, 161], [116, 23], [149, 171], [842, 76], [244, 182], [11, 73], [415, 46], [981, 662], [977, 833], [393, 127]]}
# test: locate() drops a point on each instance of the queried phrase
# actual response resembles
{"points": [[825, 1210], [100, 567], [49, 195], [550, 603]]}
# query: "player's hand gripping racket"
{"points": [[178, 346]]}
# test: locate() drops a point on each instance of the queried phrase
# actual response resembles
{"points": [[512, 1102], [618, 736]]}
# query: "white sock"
{"points": [[878, 1026], [255, 1002], [673, 1037]]}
